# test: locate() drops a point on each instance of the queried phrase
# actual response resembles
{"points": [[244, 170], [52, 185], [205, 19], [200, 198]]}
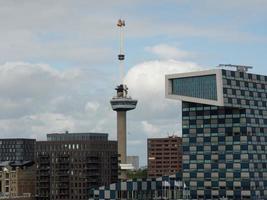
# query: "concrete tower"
{"points": [[121, 103]]}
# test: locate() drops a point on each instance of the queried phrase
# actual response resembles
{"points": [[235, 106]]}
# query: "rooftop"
{"points": [[76, 136]]}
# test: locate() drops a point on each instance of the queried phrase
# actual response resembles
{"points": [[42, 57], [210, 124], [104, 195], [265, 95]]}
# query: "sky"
{"points": [[59, 68]]}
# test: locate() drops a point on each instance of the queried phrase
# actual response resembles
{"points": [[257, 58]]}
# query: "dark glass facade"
{"points": [[17, 149], [203, 87], [76, 136], [225, 147]]}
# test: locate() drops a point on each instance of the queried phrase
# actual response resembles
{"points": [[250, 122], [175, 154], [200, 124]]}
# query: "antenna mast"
{"points": [[239, 68], [121, 56]]}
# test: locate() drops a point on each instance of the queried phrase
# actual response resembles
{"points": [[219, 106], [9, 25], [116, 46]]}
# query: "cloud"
{"points": [[146, 82], [165, 51], [135, 142], [50, 122], [28, 88], [150, 129], [40, 98], [155, 115], [91, 106], [75, 34], [37, 99]]}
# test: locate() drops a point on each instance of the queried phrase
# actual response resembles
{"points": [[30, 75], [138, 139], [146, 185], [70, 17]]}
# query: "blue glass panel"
{"points": [[203, 87]]}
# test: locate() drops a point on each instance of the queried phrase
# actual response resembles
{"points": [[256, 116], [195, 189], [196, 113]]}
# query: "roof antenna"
{"points": [[239, 68], [121, 56]]}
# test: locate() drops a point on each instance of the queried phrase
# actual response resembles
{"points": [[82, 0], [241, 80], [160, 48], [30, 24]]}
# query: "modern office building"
{"points": [[76, 136], [68, 169], [224, 124], [164, 156], [134, 161], [17, 180], [17, 149]]}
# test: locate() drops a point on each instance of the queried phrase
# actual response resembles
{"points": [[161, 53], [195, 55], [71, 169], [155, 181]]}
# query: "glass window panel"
{"points": [[199, 86]]}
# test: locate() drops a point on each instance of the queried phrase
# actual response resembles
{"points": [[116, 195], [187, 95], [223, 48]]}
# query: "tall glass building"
{"points": [[224, 130]]}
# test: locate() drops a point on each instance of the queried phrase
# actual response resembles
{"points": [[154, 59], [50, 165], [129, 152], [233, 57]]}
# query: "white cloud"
{"points": [[36, 126], [135, 142], [72, 32], [91, 106], [37, 99], [146, 82], [51, 122], [150, 129], [30, 88], [165, 51]]}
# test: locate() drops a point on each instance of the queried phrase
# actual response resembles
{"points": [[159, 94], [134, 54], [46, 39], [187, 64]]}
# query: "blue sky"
{"points": [[58, 64]]}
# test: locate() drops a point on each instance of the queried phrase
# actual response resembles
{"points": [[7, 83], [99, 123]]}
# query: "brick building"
{"points": [[164, 156]]}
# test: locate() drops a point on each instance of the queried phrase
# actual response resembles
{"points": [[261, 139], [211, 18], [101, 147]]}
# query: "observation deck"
{"points": [[122, 102]]}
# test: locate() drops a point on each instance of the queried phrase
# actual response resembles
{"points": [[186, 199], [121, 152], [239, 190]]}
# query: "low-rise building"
{"points": [[166, 187], [134, 161], [17, 179]]}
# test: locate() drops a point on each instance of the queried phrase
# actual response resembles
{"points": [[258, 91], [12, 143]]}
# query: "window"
{"points": [[229, 147], [200, 148], [222, 157], [222, 174], [207, 157], [236, 174], [214, 166], [199, 86], [206, 139], [236, 156], [207, 175], [193, 174]]}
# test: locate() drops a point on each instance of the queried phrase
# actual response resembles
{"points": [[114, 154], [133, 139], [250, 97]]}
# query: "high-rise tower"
{"points": [[121, 103], [224, 129]]}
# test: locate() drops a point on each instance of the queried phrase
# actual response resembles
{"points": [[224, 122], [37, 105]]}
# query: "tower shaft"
{"points": [[122, 103], [121, 135]]}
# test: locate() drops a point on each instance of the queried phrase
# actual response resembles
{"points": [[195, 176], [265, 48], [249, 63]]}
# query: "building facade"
{"points": [[224, 123], [166, 187], [164, 156], [17, 149], [68, 169], [17, 180], [134, 161], [76, 136]]}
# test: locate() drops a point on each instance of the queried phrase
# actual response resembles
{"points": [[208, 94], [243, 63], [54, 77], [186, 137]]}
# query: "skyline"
{"points": [[59, 63]]}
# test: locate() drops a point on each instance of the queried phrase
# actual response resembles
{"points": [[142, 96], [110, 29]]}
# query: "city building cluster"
{"points": [[74, 165], [65, 166], [222, 153], [224, 140]]}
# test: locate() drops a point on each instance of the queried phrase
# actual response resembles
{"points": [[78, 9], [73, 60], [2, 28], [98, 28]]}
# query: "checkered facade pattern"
{"points": [[143, 189], [225, 146]]}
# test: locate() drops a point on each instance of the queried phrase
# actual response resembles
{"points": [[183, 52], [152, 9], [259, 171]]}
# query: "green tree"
{"points": [[140, 173]]}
